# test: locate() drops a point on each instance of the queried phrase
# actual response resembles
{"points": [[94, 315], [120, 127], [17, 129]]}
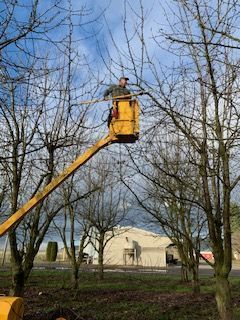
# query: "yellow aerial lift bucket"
{"points": [[11, 308], [125, 121]]}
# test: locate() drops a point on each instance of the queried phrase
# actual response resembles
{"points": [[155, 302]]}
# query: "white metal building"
{"points": [[136, 247]]}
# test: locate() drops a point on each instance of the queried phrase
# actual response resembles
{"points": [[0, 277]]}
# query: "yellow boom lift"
{"points": [[123, 129]]}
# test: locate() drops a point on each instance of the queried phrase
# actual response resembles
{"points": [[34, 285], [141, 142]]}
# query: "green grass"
{"points": [[121, 296]]}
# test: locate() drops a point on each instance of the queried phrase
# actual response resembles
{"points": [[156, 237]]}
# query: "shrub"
{"points": [[51, 251]]}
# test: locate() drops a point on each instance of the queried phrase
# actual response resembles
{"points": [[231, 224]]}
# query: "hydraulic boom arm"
{"points": [[40, 196]]}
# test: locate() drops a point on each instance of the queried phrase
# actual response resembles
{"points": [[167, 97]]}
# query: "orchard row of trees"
{"points": [[185, 169], [44, 74]]}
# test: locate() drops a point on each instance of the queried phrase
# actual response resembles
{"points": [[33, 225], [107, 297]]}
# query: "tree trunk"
{"points": [[184, 273], [75, 275], [20, 275], [18, 281], [17, 286], [100, 256], [195, 280], [223, 298]]}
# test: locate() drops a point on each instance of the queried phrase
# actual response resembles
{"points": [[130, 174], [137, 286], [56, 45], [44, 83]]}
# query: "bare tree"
{"points": [[197, 94], [71, 225], [169, 190], [37, 137], [40, 120], [19, 138], [104, 209], [211, 128]]}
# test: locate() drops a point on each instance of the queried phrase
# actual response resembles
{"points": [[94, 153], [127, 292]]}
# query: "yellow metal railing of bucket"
{"points": [[126, 126]]}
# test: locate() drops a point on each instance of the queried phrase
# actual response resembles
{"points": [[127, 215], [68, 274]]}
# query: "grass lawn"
{"points": [[118, 296]]}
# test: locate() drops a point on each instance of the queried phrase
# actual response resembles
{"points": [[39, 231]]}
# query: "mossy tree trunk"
{"points": [[223, 297]]}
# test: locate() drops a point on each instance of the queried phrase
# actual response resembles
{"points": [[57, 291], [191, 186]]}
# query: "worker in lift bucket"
{"points": [[117, 90]]}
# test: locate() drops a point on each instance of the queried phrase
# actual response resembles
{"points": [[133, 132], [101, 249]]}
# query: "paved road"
{"points": [[204, 269]]}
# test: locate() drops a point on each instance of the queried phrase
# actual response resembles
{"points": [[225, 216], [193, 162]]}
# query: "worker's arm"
{"points": [[108, 91]]}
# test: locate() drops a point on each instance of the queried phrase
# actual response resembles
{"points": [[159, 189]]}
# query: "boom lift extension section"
{"points": [[123, 129], [40, 196]]}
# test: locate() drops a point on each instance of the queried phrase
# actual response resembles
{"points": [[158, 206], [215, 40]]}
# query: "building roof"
{"points": [[137, 233]]}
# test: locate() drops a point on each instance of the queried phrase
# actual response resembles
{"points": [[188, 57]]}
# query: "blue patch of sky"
{"points": [[110, 19], [92, 22]]}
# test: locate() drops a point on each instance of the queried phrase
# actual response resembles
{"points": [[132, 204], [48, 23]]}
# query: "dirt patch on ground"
{"points": [[97, 300], [48, 296]]}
